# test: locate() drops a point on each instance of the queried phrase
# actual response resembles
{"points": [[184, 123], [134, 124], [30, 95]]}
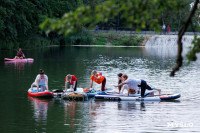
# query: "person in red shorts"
{"points": [[99, 79], [72, 80]]}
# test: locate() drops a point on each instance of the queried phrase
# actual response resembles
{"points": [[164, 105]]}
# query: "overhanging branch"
{"points": [[179, 60]]}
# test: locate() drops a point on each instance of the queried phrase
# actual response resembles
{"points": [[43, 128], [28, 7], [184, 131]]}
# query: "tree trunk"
{"points": [[179, 60]]}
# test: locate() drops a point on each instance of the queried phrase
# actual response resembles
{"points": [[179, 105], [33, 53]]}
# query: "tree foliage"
{"points": [[20, 19], [136, 13]]}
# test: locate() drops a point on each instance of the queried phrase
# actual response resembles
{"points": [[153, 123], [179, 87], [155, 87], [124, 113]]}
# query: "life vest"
{"points": [[20, 53], [98, 81]]}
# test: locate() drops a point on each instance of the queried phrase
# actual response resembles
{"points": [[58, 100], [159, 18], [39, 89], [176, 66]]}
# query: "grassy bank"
{"points": [[82, 38], [117, 39]]}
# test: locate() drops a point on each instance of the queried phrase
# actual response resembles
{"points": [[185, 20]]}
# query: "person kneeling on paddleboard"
{"points": [[72, 80], [41, 81], [133, 85], [99, 79]]}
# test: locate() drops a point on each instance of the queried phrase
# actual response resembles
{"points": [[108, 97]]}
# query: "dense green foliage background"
{"points": [[20, 19]]}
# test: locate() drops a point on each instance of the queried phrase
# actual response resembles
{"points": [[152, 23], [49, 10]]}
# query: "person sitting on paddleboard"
{"points": [[72, 80], [99, 79], [20, 54], [133, 85], [41, 81]]}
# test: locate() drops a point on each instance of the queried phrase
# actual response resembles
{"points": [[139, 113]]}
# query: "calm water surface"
{"points": [[20, 113]]}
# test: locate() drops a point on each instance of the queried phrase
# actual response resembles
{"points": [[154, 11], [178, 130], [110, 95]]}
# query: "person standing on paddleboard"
{"points": [[99, 79]]}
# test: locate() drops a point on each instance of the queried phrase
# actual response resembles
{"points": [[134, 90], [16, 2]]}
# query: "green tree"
{"points": [[19, 19], [137, 13]]}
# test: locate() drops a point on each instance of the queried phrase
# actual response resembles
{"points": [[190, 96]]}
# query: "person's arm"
{"points": [[66, 85], [91, 83], [128, 91], [120, 84], [32, 85], [122, 90], [74, 83], [37, 85], [46, 83]]}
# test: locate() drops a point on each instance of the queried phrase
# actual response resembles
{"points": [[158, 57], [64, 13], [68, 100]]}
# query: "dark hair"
{"points": [[41, 71], [119, 74], [125, 76]]}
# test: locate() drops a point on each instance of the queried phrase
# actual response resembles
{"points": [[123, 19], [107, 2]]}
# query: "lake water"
{"points": [[20, 113]]}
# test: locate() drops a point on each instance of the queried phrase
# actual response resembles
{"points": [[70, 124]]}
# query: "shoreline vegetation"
{"points": [[23, 29], [117, 39], [87, 38]]}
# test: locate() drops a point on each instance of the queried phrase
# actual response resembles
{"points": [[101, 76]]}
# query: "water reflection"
{"points": [[40, 107], [94, 106], [129, 106], [17, 65], [70, 113]]}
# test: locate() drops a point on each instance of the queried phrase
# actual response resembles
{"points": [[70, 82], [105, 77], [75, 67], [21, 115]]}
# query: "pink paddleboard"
{"points": [[26, 59]]}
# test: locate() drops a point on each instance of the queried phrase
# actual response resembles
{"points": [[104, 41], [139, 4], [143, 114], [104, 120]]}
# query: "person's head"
{"points": [[68, 77], [119, 76], [124, 77], [41, 73], [20, 49], [94, 72]]}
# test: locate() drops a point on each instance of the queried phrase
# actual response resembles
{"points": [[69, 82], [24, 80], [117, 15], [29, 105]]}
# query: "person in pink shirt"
{"points": [[168, 29], [72, 80]]}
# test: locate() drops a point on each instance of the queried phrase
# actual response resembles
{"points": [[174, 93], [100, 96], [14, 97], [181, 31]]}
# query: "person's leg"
{"points": [[143, 87], [148, 87], [75, 87], [103, 85], [159, 91]]}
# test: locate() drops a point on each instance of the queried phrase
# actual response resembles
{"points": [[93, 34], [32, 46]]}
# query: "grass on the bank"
{"points": [[81, 38], [117, 39]]}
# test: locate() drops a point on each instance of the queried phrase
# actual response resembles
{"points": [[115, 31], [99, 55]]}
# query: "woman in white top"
{"points": [[41, 81]]}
